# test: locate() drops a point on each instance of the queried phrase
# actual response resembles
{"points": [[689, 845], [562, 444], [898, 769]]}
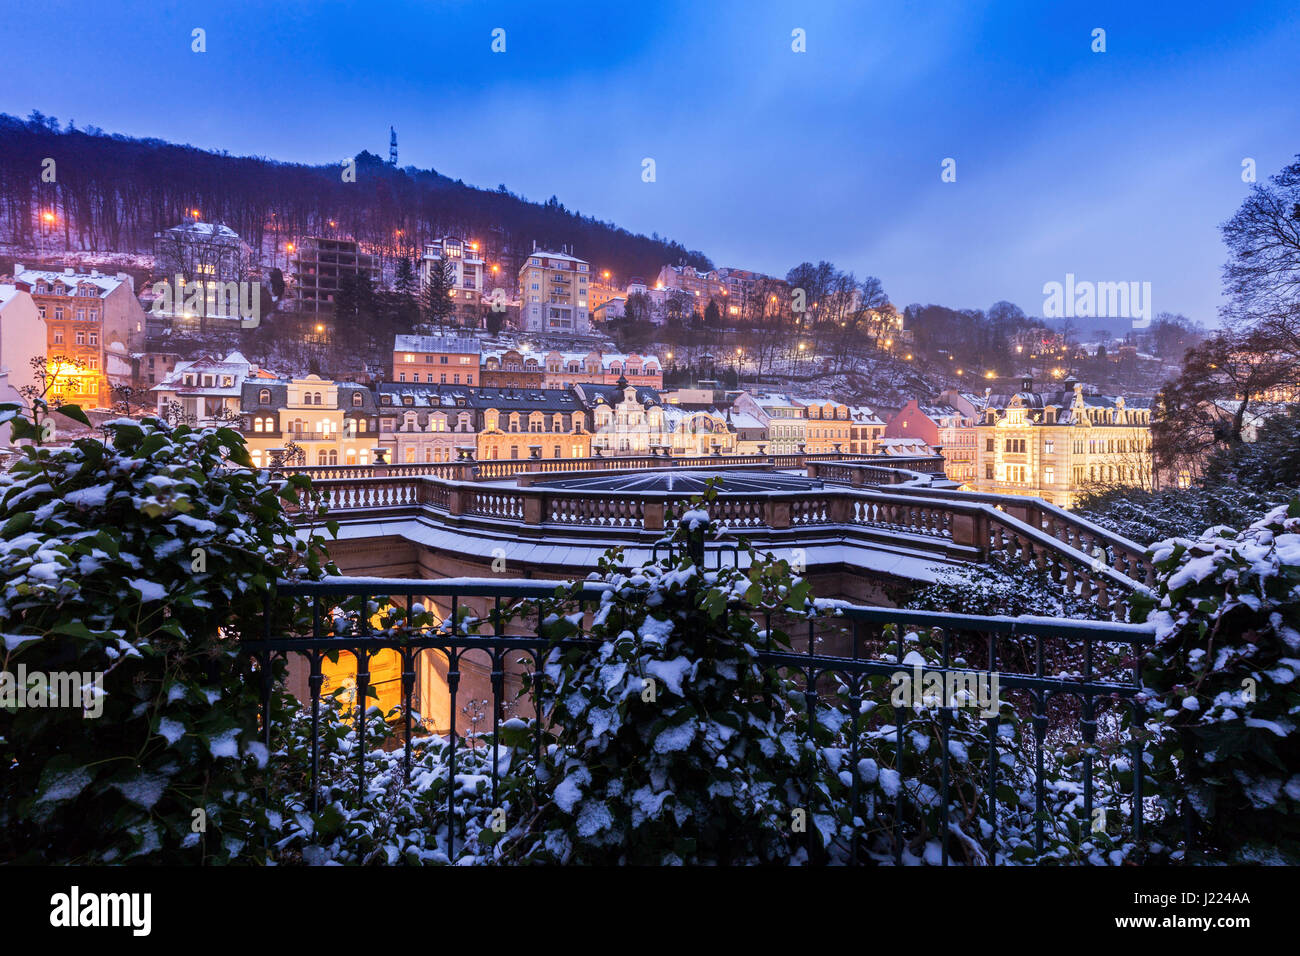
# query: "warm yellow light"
{"points": [[988, 375], [496, 268], [738, 351], [333, 223], [605, 274], [196, 214], [474, 246], [908, 356], [958, 371], [670, 354], [48, 217], [802, 346], [288, 247], [319, 327]]}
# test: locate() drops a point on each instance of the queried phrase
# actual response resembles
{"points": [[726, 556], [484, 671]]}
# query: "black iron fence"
{"points": [[1069, 682]]}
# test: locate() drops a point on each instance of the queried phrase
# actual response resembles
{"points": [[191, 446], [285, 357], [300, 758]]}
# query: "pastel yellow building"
{"points": [[334, 423], [1056, 445]]}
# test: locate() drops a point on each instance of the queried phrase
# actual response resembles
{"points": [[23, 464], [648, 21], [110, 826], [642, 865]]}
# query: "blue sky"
{"points": [[1114, 166]]}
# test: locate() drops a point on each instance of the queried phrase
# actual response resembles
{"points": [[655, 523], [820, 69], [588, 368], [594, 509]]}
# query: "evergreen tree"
{"points": [[436, 302]]}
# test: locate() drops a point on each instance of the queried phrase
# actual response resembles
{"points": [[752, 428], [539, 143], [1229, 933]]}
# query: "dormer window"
{"points": [[356, 399], [264, 397], [386, 399]]}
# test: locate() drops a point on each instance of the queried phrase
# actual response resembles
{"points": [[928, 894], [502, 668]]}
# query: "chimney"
{"points": [[18, 269]]}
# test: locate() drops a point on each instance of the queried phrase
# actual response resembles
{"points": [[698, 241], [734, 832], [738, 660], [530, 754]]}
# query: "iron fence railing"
{"points": [[478, 649]]}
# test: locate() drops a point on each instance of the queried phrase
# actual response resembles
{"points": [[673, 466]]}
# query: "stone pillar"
{"points": [[777, 514]]}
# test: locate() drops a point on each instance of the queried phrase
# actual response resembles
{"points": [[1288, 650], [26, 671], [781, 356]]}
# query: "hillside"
{"points": [[113, 192]]}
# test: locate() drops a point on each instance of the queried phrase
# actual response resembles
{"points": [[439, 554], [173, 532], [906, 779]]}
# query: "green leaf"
{"points": [[74, 412]]}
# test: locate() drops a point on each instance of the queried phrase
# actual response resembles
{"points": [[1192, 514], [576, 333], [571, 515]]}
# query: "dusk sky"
{"points": [[1114, 166]]}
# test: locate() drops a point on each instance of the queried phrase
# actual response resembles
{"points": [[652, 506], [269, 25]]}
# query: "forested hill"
{"points": [[114, 192]]}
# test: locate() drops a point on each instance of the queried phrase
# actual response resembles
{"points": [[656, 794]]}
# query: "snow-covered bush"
{"points": [[391, 821], [1224, 690], [671, 742], [1000, 586], [139, 560]]}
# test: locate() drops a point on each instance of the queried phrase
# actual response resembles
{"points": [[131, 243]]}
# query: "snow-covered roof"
{"points": [[545, 254], [436, 343], [233, 365], [212, 229], [745, 420], [105, 284]]}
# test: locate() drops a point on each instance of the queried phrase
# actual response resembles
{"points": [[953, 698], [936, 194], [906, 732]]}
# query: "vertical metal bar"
{"points": [[810, 696], [1040, 732], [1088, 727], [498, 690], [945, 715], [408, 689], [898, 766], [363, 685], [314, 681], [453, 682]]}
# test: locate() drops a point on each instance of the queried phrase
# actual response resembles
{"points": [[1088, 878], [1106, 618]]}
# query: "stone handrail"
{"points": [[859, 474], [1119, 553]]}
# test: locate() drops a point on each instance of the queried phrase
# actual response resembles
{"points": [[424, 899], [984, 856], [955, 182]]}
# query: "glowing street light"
{"points": [[48, 216], [320, 327]]}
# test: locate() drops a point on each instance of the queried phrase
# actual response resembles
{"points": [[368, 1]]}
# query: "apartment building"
{"points": [[468, 276], [553, 292], [532, 423], [827, 425], [1058, 444], [632, 420], [436, 359], [698, 286], [420, 424], [783, 415], [207, 391], [23, 336], [948, 425], [331, 423], [866, 428], [92, 319], [320, 264]]}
